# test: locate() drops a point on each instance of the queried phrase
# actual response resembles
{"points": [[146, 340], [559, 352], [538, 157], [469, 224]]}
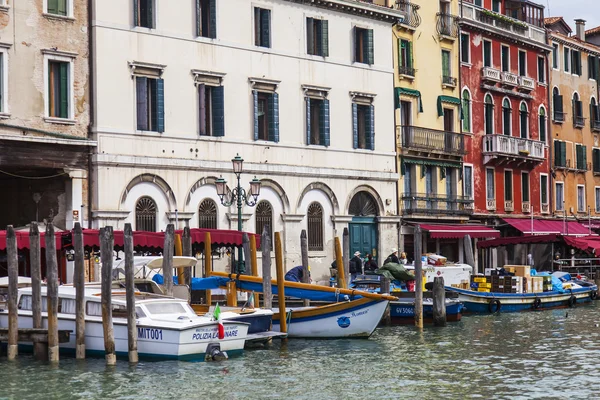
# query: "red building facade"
{"points": [[504, 93]]}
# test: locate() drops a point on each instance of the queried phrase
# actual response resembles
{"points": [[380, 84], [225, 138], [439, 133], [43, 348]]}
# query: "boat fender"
{"points": [[494, 306], [572, 301], [537, 303], [214, 353], [594, 295]]}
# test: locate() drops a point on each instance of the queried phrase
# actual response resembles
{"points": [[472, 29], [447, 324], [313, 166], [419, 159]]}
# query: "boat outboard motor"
{"points": [[214, 353]]}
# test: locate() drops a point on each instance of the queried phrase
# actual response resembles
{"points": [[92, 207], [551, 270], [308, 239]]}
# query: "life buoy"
{"points": [[494, 306], [594, 295], [537, 303], [572, 301]]}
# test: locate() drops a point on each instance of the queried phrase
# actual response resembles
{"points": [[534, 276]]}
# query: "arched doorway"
{"points": [[363, 228]]}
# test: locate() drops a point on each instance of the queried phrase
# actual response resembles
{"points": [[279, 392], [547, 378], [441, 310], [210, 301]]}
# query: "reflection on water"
{"points": [[549, 354]]}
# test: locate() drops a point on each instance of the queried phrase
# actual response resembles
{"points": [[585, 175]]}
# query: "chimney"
{"points": [[580, 29]]}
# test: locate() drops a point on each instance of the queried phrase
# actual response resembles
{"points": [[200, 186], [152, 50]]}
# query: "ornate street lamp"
{"points": [[238, 195]]}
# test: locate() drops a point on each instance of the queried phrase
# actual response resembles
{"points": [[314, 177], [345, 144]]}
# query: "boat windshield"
{"points": [[166, 308]]}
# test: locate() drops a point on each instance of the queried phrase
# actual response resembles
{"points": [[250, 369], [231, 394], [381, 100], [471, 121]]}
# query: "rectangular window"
{"points": [[544, 188], [56, 7], [317, 121], [465, 49], [541, 69], [580, 198], [405, 58], [446, 72], [525, 186], [598, 200], [468, 181], [576, 62], [581, 157], [212, 110], [557, 102], [496, 6], [487, 53], [505, 55], [143, 13], [558, 190], [317, 37], [58, 89], [508, 186], [150, 104], [262, 27], [567, 59], [560, 154], [490, 191], [363, 46], [596, 160], [542, 125], [555, 55], [206, 18], [593, 67], [363, 126], [478, 3], [522, 63], [266, 116]]}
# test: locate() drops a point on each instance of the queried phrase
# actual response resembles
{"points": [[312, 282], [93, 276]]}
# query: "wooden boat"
{"points": [[168, 328]]}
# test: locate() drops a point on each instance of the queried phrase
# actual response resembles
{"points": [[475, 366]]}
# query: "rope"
{"points": [[288, 318], [33, 177]]}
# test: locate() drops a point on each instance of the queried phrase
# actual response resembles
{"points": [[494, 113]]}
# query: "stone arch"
{"points": [[208, 180], [323, 188], [369, 190], [277, 188], [155, 180]]}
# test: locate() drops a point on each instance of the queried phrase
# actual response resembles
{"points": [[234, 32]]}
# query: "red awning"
{"points": [[457, 231], [518, 240], [590, 244], [23, 239], [546, 227], [220, 237]]}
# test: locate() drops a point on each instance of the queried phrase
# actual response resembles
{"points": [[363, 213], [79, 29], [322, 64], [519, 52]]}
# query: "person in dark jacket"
{"points": [[370, 264], [355, 265], [296, 274], [393, 258]]}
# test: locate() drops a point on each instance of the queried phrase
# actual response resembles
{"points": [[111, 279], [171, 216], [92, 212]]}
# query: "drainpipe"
{"points": [[91, 123], [396, 155]]}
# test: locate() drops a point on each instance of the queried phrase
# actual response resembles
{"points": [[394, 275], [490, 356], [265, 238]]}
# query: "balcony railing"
{"points": [[406, 71], [495, 146], [433, 204], [447, 25], [510, 79], [595, 126], [509, 205], [559, 116], [417, 138], [412, 19], [503, 23], [490, 74], [448, 81], [578, 122], [526, 83]]}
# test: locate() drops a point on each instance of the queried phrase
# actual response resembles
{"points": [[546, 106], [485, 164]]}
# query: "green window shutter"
{"points": [[213, 19], [198, 18], [445, 63], [150, 14], [202, 108], [596, 160], [563, 153], [135, 13], [218, 110], [308, 127], [556, 153], [542, 128], [590, 67], [325, 38], [265, 28], [566, 60], [62, 7], [579, 108], [368, 49], [401, 46], [324, 122], [160, 105], [558, 103], [53, 6], [64, 90], [309, 36], [354, 125], [255, 100], [370, 127], [578, 156], [142, 102], [410, 55], [584, 157], [489, 120], [402, 168], [273, 109]]}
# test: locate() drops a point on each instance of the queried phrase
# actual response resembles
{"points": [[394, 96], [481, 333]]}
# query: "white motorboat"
{"points": [[168, 328]]}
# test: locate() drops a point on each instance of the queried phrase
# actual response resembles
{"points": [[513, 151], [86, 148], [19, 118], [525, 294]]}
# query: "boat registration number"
{"points": [[149, 333], [404, 310]]}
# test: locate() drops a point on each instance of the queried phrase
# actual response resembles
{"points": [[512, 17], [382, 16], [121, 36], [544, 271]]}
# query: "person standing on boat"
{"points": [[355, 265], [296, 274], [370, 264]]}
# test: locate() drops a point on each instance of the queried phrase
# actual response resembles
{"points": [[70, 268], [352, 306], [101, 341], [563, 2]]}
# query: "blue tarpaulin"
{"points": [[214, 282]]}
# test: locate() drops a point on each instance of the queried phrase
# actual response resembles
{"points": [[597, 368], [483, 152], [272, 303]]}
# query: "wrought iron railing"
{"points": [[578, 122], [410, 10], [447, 25], [449, 80], [430, 203], [408, 71], [415, 137], [595, 125], [559, 116]]}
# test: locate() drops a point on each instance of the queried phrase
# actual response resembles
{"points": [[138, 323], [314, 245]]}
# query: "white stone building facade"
{"points": [[178, 97]]}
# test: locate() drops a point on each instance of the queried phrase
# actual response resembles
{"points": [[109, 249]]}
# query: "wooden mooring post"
{"points": [[265, 244], [280, 283], [346, 256], [254, 265], [207, 263], [418, 278], [339, 261], [439, 302], [40, 349], [106, 256], [186, 246], [247, 255], [167, 266], [304, 254], [178, 246], [385, 289], [13, 284], [132, 336], [79, 283], [52, 293]]}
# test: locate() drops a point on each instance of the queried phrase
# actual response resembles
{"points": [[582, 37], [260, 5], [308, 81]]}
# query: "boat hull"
{"points": [[258, 322], [353, 319], [403, 311], [479, 302]]}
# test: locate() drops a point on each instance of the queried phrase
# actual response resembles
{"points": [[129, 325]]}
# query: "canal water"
{"points": [[548, 354]]}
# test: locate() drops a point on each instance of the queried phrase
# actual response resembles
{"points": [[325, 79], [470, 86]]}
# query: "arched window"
{"points": [[207, 214], [506, 120], [524, 118], [542, 123], [315, 227], [594, 115], [363, 204], [578, 119], [557, 103], [489, 115], [145, 215], [466, 111], [264, 218]]}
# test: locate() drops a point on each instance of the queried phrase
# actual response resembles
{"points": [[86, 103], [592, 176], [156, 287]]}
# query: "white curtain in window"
{"points": [[25, 303], [68, 306], [94, 308], [44, 304]]}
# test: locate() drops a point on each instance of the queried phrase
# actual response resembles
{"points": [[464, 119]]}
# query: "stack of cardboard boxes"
{"points": [[521, 282]]}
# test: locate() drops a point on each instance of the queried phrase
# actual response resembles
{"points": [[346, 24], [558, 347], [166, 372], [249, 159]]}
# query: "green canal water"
{"points": [[549, 354]]}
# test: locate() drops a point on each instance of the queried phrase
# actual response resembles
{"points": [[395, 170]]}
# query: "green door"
{"points": [[363, 236]]}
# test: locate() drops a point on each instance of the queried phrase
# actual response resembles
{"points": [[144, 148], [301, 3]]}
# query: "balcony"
{"points": [[503, 148], [406, 72], [447, 26], [509, 79], [509, 205], [526, 207], [527, 84], [433, 204], [449, 81], [412, 19], [431, 140], [502, 24], [559, 116], [595, 126], [490, 74], [578, 122]]}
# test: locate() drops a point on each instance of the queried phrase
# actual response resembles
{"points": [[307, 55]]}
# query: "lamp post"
{"points": [[240, 196]]}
